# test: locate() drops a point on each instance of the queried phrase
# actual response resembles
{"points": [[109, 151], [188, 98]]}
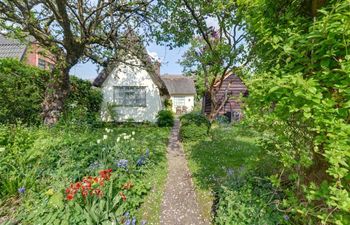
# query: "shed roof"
{"points": [[11, 48], [179, 85]]}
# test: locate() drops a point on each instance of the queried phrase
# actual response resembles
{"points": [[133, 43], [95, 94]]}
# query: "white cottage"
{"points": [[182, 92], [134, 90]]}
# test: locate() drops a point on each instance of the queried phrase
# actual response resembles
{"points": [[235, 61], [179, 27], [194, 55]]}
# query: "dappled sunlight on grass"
{"points": [[212, 159]]}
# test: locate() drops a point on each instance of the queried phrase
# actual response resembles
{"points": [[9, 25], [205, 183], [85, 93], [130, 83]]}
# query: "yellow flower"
{"points": [[50, 192]]}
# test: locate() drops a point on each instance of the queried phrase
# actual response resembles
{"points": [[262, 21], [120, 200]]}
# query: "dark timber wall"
{"points": [[232, 86]]}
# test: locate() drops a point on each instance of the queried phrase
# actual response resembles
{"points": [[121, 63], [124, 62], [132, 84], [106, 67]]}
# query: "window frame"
{"points": [[42, 64], [177, 98], [128, 102]]}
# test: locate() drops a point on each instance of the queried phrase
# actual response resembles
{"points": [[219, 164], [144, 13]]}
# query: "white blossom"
{"points": [[105, 137]]}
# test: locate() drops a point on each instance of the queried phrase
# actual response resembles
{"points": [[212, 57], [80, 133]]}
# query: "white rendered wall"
{"points": [[189, 102], [125, 75]]}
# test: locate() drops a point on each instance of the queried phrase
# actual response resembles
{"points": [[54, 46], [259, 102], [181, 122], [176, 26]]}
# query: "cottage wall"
{"points": [[124, 75], [189, 102]]}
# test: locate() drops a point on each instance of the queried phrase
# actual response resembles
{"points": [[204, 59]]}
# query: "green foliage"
{"points": [[233, 167], [168, 103], [299, 101], [248, 202], [194, 126], [83, 103], [22, 88], [165, 118], [45, 161]]}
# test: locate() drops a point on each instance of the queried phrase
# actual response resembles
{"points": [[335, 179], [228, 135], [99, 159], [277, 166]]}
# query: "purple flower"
{"points": [[127, 222], [147, 153], [140, 161], [21, 190], [133, 222], [143, 222], [215, 34], [230, 172], [126, 214], [123, 163], [286, 217]]}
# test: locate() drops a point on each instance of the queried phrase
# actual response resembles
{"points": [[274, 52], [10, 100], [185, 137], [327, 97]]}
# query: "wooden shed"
{"points": [[230, 90]]}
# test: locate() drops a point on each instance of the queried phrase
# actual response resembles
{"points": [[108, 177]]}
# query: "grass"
{"points": [[211, 158], [151, 208]]}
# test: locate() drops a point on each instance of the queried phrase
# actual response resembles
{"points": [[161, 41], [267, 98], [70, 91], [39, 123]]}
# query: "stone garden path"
{"points": [[179, 206]]}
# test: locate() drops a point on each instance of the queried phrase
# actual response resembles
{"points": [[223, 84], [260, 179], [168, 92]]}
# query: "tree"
{"points": [[216, 49], [72, 31]]}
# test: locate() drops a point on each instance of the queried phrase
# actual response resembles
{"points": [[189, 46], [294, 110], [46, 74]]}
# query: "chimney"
{"points": [[157, 67]]}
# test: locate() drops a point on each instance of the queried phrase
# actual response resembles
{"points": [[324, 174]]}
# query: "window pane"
{"points": [[130, 96]]}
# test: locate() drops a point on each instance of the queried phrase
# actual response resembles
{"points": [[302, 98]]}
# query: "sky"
{"points": [[168, 58]]}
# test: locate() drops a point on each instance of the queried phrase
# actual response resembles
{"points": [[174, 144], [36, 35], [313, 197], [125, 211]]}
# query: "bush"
{"points": [[194, 126], [165, 118], [83, 103], [248, 202], [23, 89]]}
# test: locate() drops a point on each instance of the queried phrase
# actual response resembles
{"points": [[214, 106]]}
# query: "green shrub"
{"points": [[83, 103], [165, 118], [22, 88], [249, 202], [194, 126]]}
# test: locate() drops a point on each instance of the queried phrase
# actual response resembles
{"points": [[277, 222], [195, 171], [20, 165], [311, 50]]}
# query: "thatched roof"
{"points": [[179, 85], [134, 48]]}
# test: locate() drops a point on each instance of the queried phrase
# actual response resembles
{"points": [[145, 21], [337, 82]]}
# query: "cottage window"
{"points": [[179, 101], [130, 96], [41, 64]]}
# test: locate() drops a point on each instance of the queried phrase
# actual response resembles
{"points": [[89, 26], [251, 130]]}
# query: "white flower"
{"points": [[133, 133], [98, 141], [108, 130], [126, 137], [118, 139], [105, 137], [132, 139]]}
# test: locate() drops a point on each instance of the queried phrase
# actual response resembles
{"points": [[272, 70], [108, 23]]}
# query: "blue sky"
{"points": [[169, 59]]}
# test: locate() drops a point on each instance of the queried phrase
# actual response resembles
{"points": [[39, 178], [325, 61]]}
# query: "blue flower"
{"points": [[21, 190], [230, 172], [127, 222], [133, 222], [126, 214], [123, 163], [147, 153], [286, 217], [143, 222], [141, 161]]}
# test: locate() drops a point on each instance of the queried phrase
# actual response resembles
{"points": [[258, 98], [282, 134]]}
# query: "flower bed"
{"points": [[78, 176]]}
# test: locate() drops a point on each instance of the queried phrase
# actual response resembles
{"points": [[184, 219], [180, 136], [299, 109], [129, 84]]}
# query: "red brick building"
{"points": [[31, 53]]}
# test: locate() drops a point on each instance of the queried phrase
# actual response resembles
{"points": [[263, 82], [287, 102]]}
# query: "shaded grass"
{"points": [[150, 209], [212, 158]]}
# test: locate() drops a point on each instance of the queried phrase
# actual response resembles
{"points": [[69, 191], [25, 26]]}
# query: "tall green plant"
{"points": [[300, 100]]}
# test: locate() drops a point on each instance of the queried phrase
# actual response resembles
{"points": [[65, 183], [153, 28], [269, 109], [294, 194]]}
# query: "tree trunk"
{"points": [[55, 95]]}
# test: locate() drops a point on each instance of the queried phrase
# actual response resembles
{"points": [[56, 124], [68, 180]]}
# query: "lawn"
{"points": [[230, 188], [44, 172]]}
